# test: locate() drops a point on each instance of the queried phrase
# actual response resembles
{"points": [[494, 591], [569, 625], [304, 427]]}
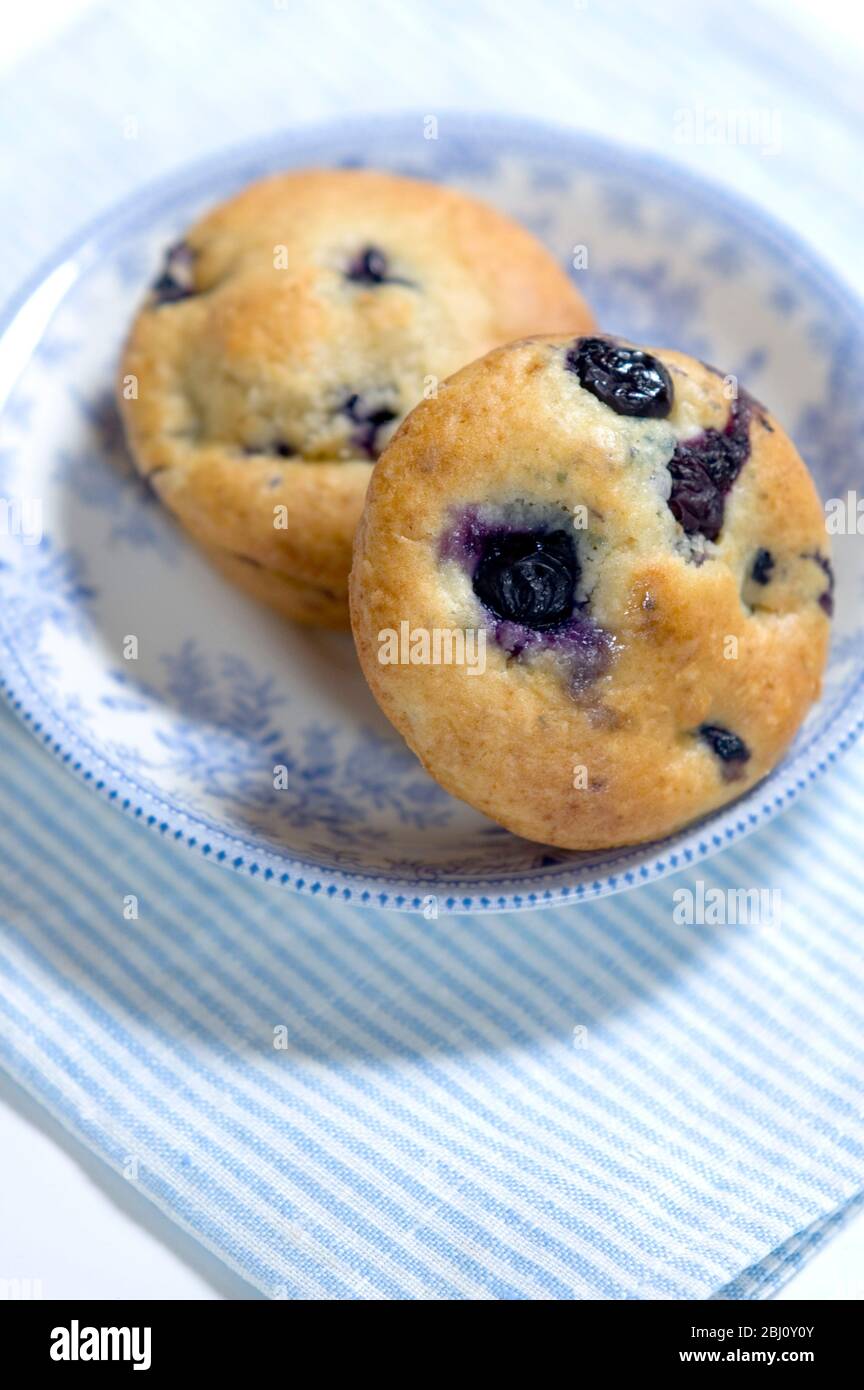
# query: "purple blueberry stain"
{"points": [[762, 567], [368, 420], [729, 747], [371, 267], [628, 380], [704, 469], [526, 580], [177, 278]]}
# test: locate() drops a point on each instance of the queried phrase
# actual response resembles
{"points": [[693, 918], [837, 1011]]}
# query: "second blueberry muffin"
{"points": [[286, 338], [640, 552]]}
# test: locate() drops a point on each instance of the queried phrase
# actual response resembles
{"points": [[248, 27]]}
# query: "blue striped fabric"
{"points": [[593, 1103], [598, 1103]]}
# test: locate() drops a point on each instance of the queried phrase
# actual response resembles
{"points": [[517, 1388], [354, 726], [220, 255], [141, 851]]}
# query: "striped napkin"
{"points": [[636, 1098], [601, 1103]]}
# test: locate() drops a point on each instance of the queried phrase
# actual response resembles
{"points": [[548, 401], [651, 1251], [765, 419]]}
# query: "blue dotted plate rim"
{"points": [[540, 888]]}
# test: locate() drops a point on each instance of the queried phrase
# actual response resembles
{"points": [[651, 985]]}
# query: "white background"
{"points": [[66, 1220]]}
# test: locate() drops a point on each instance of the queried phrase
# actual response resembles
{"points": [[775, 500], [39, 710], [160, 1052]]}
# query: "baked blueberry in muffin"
{"points": [[647, 562], [285, 338]]}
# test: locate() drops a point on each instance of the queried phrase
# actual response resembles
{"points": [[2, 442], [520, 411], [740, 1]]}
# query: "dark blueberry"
{"points": [[371, 267], [763, 565], [565, 628], [528, 578], [695, 502], [826, 599], [176, 281], [728, 747], [629, 381], [704, 469], [368, 420]]}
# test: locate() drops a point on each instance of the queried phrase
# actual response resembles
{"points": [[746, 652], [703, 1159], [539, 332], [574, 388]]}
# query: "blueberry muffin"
{"points": [[286, 338], [621, 567]]}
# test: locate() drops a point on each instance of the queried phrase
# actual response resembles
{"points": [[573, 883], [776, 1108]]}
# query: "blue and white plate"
{"points": [[186, 737]]}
